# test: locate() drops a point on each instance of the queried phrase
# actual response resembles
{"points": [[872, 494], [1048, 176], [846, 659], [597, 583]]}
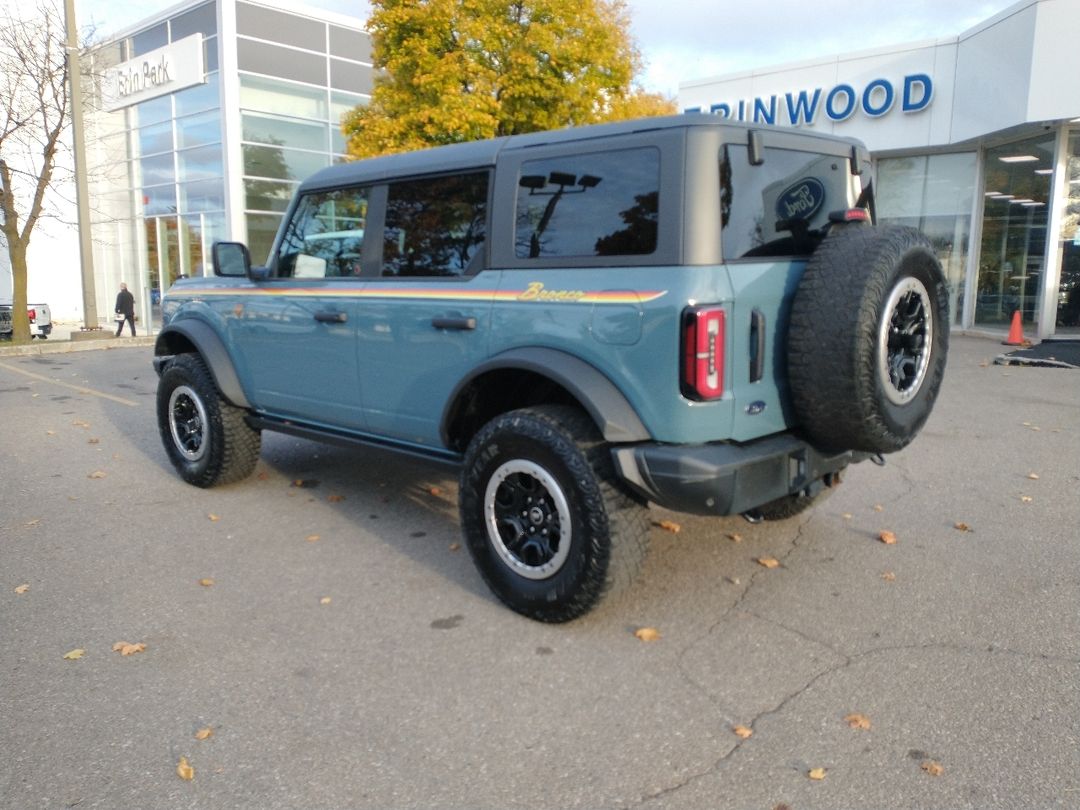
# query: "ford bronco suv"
{"points": [[682, 311]]}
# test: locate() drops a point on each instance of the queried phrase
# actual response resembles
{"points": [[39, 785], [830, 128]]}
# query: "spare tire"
{"points": [[868, 337]]}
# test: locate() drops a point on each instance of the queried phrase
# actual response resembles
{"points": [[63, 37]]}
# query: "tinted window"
{"points": [[435, 226], [780, 208], [325, 236], [603, 204]]}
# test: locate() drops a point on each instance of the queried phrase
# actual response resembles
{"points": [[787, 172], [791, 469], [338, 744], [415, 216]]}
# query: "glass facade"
{"points": [[1012, 256], [1068, 246], [161, 186], [935, 194], [298, 76]]}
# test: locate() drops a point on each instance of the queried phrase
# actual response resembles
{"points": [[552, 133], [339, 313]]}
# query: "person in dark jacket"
{"points": [[125, 306]]}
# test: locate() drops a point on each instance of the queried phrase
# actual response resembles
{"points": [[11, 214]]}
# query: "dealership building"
{"points": [[976, 141], [200, 123]]}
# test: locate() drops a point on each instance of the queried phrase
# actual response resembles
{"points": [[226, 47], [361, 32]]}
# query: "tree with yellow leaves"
{"points": [[464, 70]]}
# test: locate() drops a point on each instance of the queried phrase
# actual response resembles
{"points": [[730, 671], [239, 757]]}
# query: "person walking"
{"points": [[125, 310]]}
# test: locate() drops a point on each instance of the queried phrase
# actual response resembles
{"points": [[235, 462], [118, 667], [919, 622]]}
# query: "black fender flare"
{"points": [[613, 414], [212, 349]]}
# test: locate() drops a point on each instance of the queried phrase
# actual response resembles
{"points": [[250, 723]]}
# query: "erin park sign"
{"points": [[165, 70], [877, 98]]}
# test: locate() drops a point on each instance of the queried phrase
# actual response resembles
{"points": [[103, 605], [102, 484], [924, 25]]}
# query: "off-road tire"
{"points": [[532, 460], [207, 439], [868, 338]]}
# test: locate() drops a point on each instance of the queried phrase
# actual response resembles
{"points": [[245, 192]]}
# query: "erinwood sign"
{"points": [[165, 70]]}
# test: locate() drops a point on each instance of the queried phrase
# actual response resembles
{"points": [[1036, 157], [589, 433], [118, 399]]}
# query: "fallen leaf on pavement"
{"points": [[888, 576], [963, 527], [213, 518], [1033, 476], [742, 732], [305, 483], [204, 733], [97, 474], [888, 538], [878, 507], [734, 537], [313, 538], [74, 655], [858, 721], [184, 770], [648, 634], [1026, 499], [93, 441], [206, 582], [669, 526], [817, 774], [335, 498], [932, 768], [768, 562], [124, 648], [325, 600], [22, 588], [455, 546]]}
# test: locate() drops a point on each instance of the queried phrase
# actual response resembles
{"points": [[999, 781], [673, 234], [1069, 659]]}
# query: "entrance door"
{"points": [[1068, 293], [1012, 259]]}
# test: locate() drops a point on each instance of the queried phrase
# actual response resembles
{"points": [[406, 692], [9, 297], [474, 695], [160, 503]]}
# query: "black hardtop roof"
{"points": [[482, 154]]}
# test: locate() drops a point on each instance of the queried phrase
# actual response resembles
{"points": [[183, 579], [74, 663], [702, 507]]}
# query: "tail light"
{"points": [[703, 353], [32, 314]]}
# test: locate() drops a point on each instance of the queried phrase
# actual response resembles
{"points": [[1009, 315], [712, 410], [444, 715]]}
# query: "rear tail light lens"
{"points": [[703, 353], [32, 313]]}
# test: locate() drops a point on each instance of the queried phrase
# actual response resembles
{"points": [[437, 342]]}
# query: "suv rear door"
{"points": [[424, 319]]}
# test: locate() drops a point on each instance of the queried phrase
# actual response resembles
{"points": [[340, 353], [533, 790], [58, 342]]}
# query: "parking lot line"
{"points": [[82, 389]]}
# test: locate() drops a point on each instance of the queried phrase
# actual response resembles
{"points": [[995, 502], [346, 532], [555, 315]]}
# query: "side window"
{"points": [[434, 226], [601, 204], [780, 208], [324, 236]]}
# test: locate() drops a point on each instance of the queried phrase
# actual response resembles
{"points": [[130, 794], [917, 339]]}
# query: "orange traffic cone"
{"points": [[1016, 331]]}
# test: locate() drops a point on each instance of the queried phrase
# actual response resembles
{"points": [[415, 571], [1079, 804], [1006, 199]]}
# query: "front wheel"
{"points": [[543, 518], [207, 438]]}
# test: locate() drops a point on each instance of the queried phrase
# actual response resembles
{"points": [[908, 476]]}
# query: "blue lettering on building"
{"points": [[803, 108]]}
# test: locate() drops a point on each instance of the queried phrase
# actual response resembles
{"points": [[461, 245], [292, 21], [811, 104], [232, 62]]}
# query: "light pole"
{"points": [[82, 197]]}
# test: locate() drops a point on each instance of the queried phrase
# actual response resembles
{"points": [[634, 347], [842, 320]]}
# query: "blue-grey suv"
{"points": [[681, 311]]}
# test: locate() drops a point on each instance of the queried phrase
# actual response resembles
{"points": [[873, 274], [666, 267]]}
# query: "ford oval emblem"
{"points": [[801, 200], [754, 408]]}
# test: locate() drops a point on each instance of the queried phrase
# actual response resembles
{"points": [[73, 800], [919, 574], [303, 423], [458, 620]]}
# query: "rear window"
{"points": [[781, 207], [600, 204]]}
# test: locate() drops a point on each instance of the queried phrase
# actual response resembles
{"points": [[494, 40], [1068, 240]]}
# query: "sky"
{"points": [[683, 40]]}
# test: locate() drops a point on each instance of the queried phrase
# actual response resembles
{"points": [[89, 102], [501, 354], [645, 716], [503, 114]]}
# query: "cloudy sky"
{"points": [[683, 40]]}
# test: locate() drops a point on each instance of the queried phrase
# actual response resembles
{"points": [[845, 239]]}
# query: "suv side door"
{"points": [[294, 334], [425, 316]]}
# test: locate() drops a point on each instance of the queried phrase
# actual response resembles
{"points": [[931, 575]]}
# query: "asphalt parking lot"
{"points": [[323, 622]]}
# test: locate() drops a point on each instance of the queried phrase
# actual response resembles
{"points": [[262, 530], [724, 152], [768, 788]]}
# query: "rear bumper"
{"points": [[725, 478]]}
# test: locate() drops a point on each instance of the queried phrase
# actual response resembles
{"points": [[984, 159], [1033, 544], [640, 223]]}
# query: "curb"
{"points": [[38, 347]]}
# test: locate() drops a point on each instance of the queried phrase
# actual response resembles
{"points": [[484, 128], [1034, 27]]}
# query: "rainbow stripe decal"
{"points": [[535, 291]]}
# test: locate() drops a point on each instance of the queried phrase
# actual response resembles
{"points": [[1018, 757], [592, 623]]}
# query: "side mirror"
{"points": [[230, 259]]}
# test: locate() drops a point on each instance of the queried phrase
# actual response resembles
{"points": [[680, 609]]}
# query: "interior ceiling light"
{"points": [[1018, 159], [1022, 200], [1002, 197], [998, 193], [1044, 171], [1033, 204]]}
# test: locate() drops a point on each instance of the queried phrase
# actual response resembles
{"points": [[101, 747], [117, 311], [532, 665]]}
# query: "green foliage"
{"points": [[463, 70]]}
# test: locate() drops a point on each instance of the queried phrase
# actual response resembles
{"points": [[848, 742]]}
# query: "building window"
{"points": [[1013, 251], [280, 26], [935, 194]]}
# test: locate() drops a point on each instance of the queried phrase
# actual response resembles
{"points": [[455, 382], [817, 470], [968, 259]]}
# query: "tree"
{"points": [[463, 70], [33, 116]]}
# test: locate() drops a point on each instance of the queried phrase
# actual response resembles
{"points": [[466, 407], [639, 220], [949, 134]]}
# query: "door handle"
{"points": [[325, 316], [454, 323]]}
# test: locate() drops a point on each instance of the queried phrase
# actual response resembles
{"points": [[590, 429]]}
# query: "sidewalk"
{"points": [[69, 337]]}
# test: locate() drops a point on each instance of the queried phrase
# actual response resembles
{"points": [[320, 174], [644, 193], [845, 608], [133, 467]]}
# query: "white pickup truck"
{"points": [[40, 321]]}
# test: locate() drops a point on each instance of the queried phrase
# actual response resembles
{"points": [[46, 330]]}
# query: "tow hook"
{"points": [[878, 459], [753, 516]]}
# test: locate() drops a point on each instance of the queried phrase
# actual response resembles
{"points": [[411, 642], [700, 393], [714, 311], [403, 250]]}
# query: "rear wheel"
{"points": [[547, 526], [208, 440]]}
